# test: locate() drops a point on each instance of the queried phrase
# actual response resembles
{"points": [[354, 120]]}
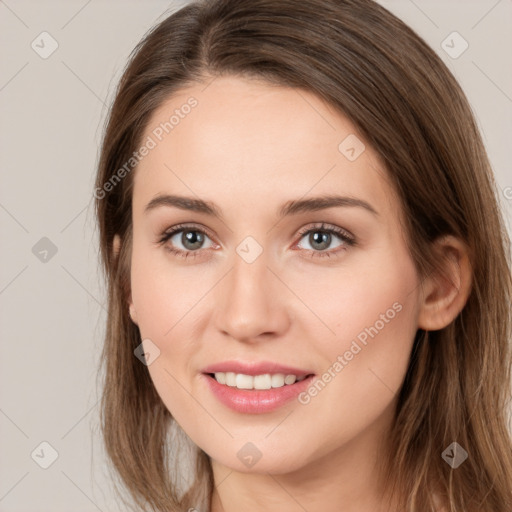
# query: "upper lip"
{"points": [[255, 368]]}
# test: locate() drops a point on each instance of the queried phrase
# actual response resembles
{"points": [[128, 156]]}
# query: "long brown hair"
{"points": [[375, 70]]}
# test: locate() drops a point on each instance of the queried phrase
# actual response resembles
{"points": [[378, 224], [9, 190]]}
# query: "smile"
{"points": [[264, 381], [256, 394]]}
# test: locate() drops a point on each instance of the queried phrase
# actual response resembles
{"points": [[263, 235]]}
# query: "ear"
{"points": [[116, 247], [445, 292]]}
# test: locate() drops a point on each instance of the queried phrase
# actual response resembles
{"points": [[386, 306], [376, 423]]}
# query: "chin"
{"points": [[251, 460]]}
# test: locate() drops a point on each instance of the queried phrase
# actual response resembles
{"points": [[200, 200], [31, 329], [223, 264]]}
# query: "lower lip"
{"points": [[256, 401]]}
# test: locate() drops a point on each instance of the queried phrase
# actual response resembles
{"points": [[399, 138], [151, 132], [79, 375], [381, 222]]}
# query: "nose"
{"points": [[251, 302]]}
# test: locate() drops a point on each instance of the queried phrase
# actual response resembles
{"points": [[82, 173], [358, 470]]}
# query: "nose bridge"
{"points": [[250, 275], [248, 304]]}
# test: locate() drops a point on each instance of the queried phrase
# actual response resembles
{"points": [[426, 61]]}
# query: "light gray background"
{"points": [[52, 313]]}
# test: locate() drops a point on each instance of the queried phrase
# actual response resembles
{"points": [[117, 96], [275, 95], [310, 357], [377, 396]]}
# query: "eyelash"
{"points": [[346, 238]]}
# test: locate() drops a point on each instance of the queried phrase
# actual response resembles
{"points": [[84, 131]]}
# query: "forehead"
{"points": [[237, 141]]}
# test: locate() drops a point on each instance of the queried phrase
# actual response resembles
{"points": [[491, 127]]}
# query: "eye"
{"points": [[190, 237], [320, 237]]}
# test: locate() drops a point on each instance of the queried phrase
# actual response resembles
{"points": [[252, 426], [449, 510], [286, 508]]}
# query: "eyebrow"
{"points": [[292, 207]]}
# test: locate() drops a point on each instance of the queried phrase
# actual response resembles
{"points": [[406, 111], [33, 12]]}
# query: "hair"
{"points": [[373, 69]]}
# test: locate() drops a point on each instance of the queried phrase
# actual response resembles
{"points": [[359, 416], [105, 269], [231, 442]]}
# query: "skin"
{"points": [[249, 147]]}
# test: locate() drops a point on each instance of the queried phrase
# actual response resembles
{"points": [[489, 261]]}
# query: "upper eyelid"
{"points": [[324, 226], [184, 227]]}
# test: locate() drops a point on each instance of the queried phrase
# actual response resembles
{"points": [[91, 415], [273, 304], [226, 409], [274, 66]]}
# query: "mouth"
{"points": [[255, 388], [263, 381]]}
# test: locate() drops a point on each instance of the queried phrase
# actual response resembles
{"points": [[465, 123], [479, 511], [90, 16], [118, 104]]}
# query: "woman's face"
{"points": [[302, 270]]}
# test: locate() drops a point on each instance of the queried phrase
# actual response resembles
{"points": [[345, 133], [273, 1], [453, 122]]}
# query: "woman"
{"points": [[309, 283]]}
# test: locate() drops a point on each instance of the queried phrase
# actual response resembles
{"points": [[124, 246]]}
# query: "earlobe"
{"points": [[445, 293], [133, 313], [116, 247]]}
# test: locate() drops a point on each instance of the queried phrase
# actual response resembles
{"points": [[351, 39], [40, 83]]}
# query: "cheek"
{"points": [[374, 316], [166, 301], [363, 372], [164, 297], [365, 292]]}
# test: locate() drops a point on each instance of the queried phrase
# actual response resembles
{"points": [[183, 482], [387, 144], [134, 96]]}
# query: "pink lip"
{"points": [[252, 401], [251, 368]]}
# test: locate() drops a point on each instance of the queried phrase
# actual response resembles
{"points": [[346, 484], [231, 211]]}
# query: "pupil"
{"points": [[193, 238], [323, 239]]}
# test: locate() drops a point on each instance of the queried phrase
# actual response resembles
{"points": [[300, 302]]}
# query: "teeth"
{"points": [[277, 380], [290, 379], [262, 381], [230, 379], [221, 378], [244, 381], [265, 381]]}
